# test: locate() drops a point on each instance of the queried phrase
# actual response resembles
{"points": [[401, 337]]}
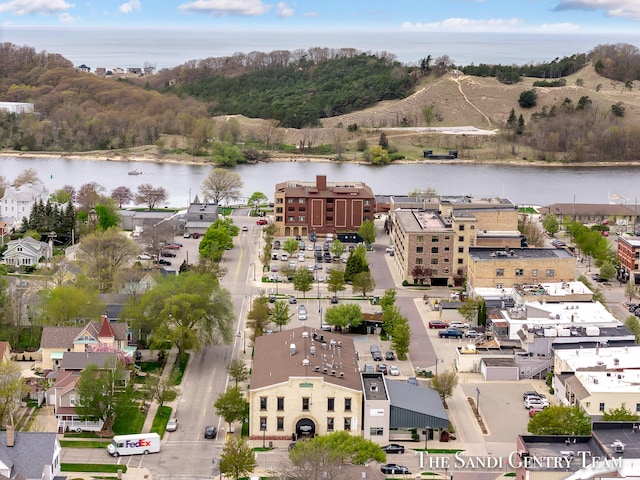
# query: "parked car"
{"points": [[382, 368], [144, 256], [276, 245], [334, 299], [172, 246], [272, 298], [531, 393], [437, 324], [186, 235], [389, 355], [471, 334], [535, 402], [393, 448], [167, 253], [210, 432], [262, 221], [162, 261], [458, 324], [325, 327], [412, 381], [533, 411], [368, 368], [172, 425], [450, 333], [292, 300], [374, 348], [245, 228], [301, 257], [394, 468], [377, 356], [394, 371]]}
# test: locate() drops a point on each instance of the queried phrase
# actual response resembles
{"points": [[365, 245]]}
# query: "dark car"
{"points": [[137, 355], [394, 468], [210, 432], [393, 448], [167, 254], [162, 261], [172, 246], [334, 299], [382, 368], [377, 356], [437, 324], [272, 298], [389, 355]]}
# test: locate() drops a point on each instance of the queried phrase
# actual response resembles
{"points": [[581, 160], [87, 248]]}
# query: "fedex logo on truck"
{"points": [[137, 443]]}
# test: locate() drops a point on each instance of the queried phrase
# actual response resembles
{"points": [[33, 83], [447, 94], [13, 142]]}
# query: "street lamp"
{"points": [[478, 400], [426, 437], [263, 427]]}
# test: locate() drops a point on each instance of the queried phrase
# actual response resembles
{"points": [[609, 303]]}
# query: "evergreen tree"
{"points": [[511, 121], [520, 127], [384, 142]]}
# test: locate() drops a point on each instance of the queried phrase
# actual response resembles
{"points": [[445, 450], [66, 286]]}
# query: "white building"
{"points": [[16, 107], [18, 201]]}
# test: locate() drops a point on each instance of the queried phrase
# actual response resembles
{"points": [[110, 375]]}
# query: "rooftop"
{"points": [[625, 381], [305, 352], [569, 450], [374, 386], [605, 358], [479, 254], [422, 221]]}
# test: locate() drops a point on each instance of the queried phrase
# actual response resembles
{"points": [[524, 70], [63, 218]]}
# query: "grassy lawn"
{"points": [[160, 420], [150, 367], [85, 443], [129, 421], [81, 435], [181, 368], [92, 467]]}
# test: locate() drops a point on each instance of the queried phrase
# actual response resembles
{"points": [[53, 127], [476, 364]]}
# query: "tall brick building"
{"points": [[321, 207]]}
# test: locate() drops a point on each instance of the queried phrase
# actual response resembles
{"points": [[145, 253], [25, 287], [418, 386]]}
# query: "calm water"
{"points": [[166, 47], [520, 184]]}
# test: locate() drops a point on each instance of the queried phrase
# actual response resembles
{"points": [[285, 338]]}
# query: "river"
{"points": [[522, 184]]}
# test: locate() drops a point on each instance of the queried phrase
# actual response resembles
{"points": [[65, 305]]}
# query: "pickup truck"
{"points": [[450, 333]]}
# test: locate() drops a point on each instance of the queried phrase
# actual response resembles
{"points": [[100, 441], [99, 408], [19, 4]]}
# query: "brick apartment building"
{"points": [[321, 207]]}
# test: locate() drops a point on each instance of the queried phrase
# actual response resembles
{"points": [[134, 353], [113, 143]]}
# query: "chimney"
{"points": [[11, 436], [321, 182]]}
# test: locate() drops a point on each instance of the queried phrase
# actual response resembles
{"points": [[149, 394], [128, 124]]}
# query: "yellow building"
{"points": [[597, 392], [506, 267], [304, 382]]}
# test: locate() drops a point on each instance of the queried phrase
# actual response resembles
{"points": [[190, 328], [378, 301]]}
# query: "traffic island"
{"points": [[476, 413]]}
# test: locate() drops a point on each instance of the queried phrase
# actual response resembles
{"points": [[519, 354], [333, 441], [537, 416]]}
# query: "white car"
{"points": [[393, 370], [301, 257], [144, 256], [172, 425], [533, 402], [458, 324]]}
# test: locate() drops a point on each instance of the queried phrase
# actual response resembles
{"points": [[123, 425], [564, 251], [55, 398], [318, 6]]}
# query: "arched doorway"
{"points": [[305, 428]]}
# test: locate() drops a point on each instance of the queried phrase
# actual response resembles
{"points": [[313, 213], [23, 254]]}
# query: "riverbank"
{"points": [[149, 156]]}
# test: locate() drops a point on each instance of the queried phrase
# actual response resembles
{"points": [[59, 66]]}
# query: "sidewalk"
{"points": [[153, 406]]}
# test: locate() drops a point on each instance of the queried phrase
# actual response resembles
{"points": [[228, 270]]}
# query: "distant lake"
{"points": [[522, 184]]}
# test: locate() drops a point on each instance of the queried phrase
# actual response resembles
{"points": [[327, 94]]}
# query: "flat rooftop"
{"points": [[606, 358], [567, 449], [479, 254], [374, 386], [568, 314], [625, 381], [421, 221]]}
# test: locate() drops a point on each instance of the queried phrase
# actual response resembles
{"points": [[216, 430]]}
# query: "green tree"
{"points": [[221, 184], [584, 103], [217, 239], [98, 395], [323, 456], [291, 246], [335, 282], [237, 460], [238, 371], [560, 420], [377, 155], [230, 406], [618, 109], [444, 383], [280, 315], [620, 414], [345, 315], [67, 304], [630, 290], [257, 198], [367, 232], [189, 311], [356, 263], [60, 196], [469, 309], [401, 338], [226, 154], [607, 271], [12, 389], [550, 224], [383, 142], [363, 282], [388, 299], [259, 316], [512, 120], [107, 215], [633, 325], [302, 280], [337, 248], [390, 317], [429, 115], [528, 99], [521, 125]]}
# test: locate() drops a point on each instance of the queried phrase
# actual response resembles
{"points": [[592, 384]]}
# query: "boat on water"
{"points": [[135, 172]]}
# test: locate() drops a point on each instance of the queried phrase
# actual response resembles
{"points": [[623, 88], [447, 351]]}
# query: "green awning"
{"points": [[56, 355]]}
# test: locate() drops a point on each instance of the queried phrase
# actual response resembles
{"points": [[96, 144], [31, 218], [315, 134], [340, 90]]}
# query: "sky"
{"points": [[518, 16]]}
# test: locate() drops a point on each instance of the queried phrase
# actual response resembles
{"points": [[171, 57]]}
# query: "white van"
{"points": [[274, 256], [137, 444], [284, 256]]}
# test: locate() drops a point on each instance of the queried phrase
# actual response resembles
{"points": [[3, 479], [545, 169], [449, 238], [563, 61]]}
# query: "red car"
{"points": [[437, 324], [172, 246], [262, 221]]}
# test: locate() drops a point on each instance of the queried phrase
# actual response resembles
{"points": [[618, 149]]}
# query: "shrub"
{"points": [[528, 99]]}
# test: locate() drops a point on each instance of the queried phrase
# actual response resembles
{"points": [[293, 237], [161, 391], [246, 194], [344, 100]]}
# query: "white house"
{"points": [[16, 107], [18, 201], [26, 252]]}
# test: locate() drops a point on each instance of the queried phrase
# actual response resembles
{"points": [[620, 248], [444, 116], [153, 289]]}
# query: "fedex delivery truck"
{"points": [[138, 444]]}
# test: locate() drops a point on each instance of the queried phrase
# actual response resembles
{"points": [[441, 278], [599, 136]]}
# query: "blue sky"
{"points": [[520, 16]]}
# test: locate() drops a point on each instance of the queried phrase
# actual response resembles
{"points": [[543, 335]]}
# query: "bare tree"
{"points": [[150, 196], [221, 184], [122, 195], [26, 176]]}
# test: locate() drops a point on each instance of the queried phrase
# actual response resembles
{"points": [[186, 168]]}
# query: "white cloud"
{"points": [[129, 6], [614, 8], [225, 7], [67, 18], [310, 14], [284, 10], [29, 7], [466, 25], [559, 28]]}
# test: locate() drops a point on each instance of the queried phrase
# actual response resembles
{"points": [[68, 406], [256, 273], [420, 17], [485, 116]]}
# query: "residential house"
{"points": [[622, 217], [322, 207], [63, 395], [58, 340], [29, 455], [26, 252], [17, 202]]}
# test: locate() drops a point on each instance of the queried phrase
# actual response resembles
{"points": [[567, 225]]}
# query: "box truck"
{"points": [[138, 444]]}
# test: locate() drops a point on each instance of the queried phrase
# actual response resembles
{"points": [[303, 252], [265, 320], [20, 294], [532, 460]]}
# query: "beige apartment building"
{"points": [[304, 382], [506, 267], [432, 239]]}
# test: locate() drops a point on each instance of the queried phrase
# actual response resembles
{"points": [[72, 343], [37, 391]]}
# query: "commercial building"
{"points": [[432, 237], [629, 258], [321, 207]]}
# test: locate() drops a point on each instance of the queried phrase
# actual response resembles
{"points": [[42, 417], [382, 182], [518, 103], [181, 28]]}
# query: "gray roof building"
{"points": [[29, 455], [413, 406]]}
